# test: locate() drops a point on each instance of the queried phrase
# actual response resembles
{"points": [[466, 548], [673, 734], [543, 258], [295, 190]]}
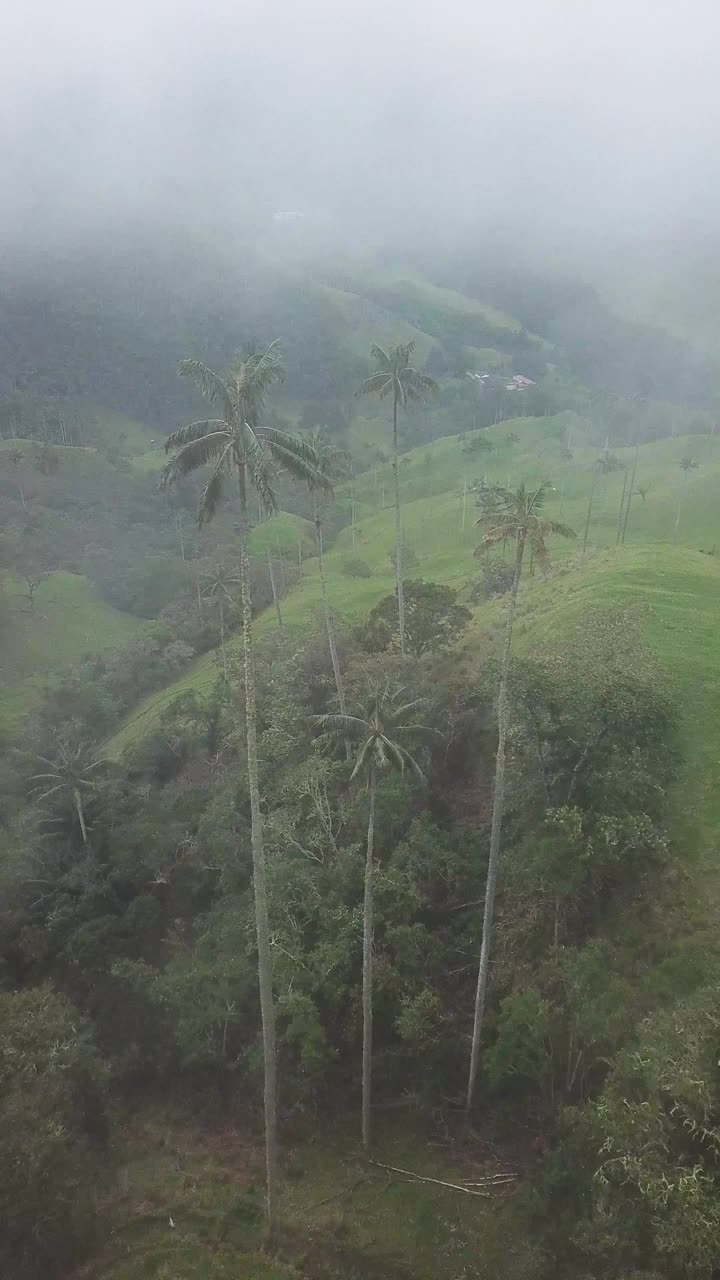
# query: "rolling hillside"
{"points": [[68, 620], [679, 584]]}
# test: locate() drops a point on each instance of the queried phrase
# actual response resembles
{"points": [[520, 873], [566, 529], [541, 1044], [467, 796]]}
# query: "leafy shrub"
{"points": [[433, 620], [495, 579], [356, 568]]}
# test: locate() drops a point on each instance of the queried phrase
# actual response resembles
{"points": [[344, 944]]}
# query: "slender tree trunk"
{"points": [[630, 495], [589, 511], [679, 506], [622, 508], [495, 832], [281, 562], [273, 587], [79, 810], [222, 638], [265, 968], [178, 522], [330, 628], [398, 533], [367, 968]]}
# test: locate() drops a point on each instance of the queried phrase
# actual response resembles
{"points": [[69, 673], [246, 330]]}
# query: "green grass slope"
{"points": [[69, 620], [433, 480], [676, 591]]}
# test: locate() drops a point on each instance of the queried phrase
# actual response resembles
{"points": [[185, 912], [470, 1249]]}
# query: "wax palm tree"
{"points": [[507, 516], [328, 465], [687, 464], [16, 456], [631, 493], [601, 467], [237, 444], [396, 377], [219, 588], [378, 731], [70, 775]]}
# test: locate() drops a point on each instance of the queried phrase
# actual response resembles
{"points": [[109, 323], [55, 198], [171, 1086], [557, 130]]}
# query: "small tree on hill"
{"points": [[433, 620]]}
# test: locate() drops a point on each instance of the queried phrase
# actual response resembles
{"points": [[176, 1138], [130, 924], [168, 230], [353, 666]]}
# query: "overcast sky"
{"points": [[559, 119]]}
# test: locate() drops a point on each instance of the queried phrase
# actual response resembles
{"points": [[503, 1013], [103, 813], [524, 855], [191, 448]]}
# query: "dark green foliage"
{"points": [[52, 1128], [355, 568], [433, 620], [496, 576]]}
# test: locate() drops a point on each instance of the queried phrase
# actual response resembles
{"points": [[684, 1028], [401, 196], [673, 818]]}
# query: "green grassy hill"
{"points": [[433, 480], [68, 620]]}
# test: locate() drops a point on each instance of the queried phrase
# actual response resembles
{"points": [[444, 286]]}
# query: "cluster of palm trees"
{"points": [[238, 446], [604, 465]]}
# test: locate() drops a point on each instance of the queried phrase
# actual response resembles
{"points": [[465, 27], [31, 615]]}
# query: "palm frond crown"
{"points": [[377, 730], [396, 375], [511, 515]]}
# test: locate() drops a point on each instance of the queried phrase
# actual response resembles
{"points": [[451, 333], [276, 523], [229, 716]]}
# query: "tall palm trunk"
{"points": [[273, 587], [222, 637], [589, 511], [79, 810], [367, 968], [398, 532], [681, 495], [265, 974], [495, 830], [330, 627], [621, 511], [630, 495]]}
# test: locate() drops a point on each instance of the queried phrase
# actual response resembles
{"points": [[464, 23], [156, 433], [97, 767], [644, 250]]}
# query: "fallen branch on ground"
{"points": [[418, 1177]]}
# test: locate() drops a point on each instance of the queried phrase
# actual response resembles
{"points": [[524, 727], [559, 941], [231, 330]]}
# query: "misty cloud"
{"points": [[580, 121]]}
